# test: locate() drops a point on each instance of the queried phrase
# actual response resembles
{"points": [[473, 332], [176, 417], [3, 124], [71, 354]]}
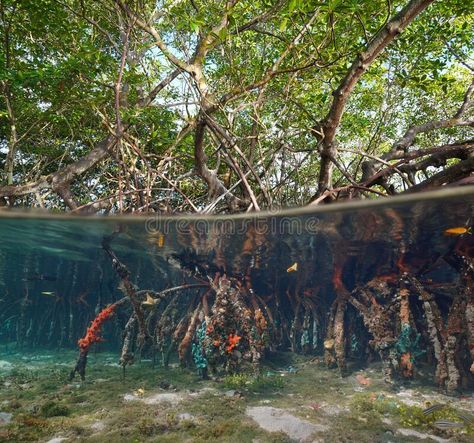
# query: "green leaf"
{"points": [[223, 34], [194, 26], [292, 5]]}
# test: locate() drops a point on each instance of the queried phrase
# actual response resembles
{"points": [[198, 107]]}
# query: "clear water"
{"points": [[295, 268]]}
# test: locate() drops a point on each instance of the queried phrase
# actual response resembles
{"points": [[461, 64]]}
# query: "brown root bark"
{"points": [[377, 319], [127, 356], [436, 332], [128, 290], [183, 347], [406, 365], [455, 329]]}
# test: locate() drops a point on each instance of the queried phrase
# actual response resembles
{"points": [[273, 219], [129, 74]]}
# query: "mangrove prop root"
{"points": [[339, 337], [337, 346], [186, 341], [128, 289], [92, 336], [270, 326], [469, 311], [377, 319], [470, 329], [406, 364], [80, 367], [455, 330], [295, 326], [436, 331], [164, 326], [126, 356], [181, 328], [236, 328]]}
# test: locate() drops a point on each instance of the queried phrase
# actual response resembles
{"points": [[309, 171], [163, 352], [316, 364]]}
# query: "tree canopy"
{"points": [[223, 106]]}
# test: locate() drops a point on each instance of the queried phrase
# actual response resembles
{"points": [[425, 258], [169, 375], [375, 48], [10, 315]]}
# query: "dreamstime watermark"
{"points": [[268, 225], [278, 223]]}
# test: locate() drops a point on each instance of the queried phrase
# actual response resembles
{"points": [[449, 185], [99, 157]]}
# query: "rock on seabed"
{"points": [[279, 420], [5, 418]]}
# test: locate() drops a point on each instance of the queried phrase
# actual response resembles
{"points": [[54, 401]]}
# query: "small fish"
{"points": [[433, 408], [150, 301], [460, 230], [157, 238], [140, 392], [465, 417], [446, 424], [293, 267], [47, 293], [39, 277], [329, 344], [160, 241]]}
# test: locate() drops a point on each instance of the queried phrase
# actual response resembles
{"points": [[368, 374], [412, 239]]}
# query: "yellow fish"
{"points": [[150, 301], [140, 392], [458, 230], [157, 238], [329, 344], [160, 240], [293, 267]]}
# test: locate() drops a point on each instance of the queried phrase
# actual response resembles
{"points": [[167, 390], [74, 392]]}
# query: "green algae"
{"points": [[411, 416], [54, 409], [252, 383]]}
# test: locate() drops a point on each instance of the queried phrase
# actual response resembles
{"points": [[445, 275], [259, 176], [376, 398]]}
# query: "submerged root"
{"points": [[186, 341], [436, 332], [229, 326], [378, 320], [455, 330], [127, 356]]}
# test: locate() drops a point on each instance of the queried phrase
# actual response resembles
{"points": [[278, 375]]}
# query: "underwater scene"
{"points": [[345, 323]]}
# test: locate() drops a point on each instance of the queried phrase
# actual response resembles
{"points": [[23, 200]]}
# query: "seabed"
{"points": [[294, 399]]}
